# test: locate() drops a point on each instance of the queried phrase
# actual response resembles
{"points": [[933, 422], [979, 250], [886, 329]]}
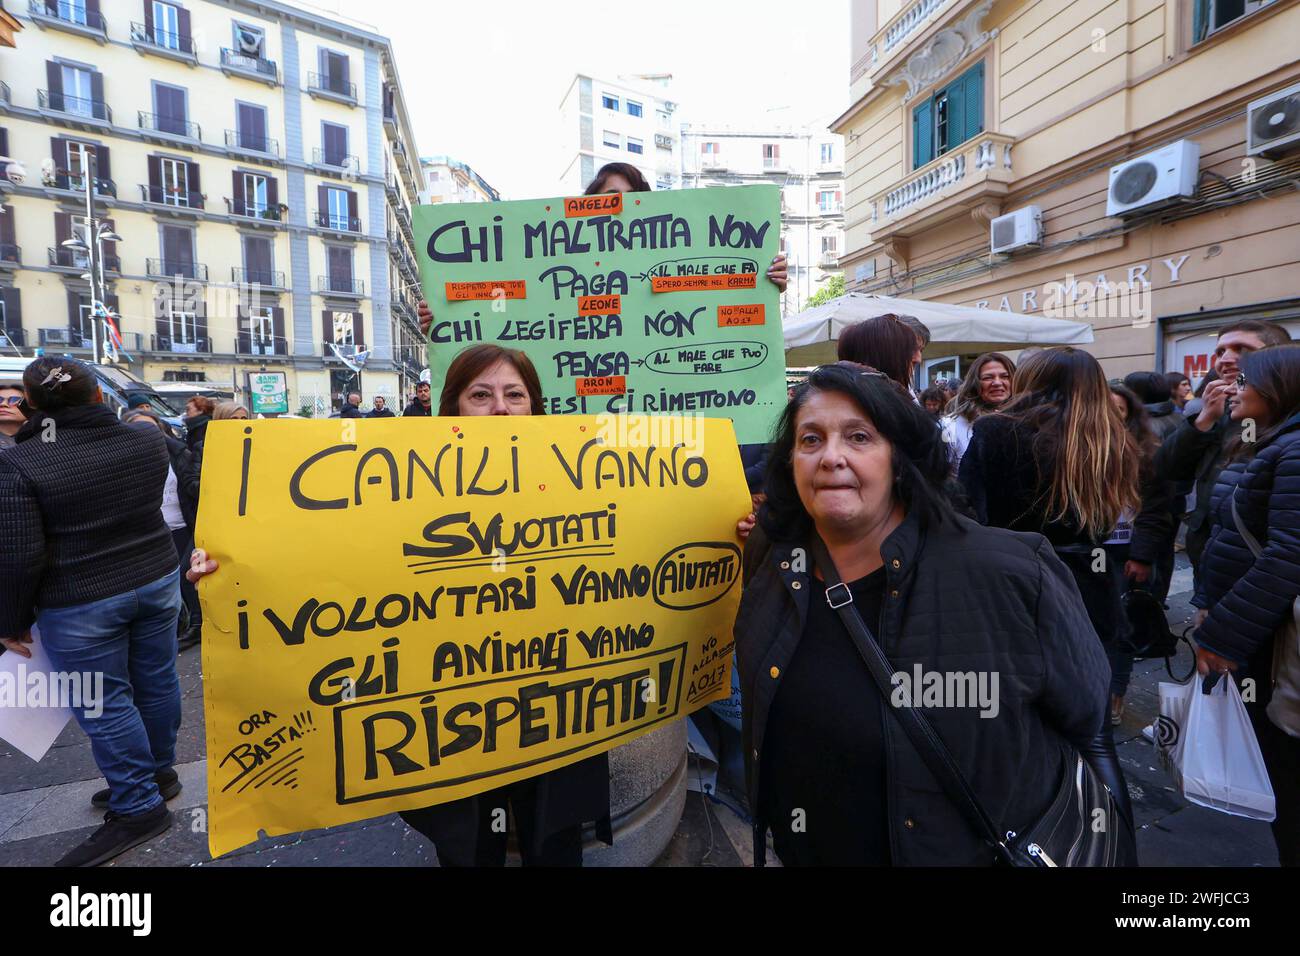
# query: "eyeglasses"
{"points": [[11, 399]]}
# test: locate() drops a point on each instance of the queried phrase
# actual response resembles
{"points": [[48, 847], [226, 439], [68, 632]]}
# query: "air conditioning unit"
{"points": [[1273, 123], [1016, 230], [1156, 178]]}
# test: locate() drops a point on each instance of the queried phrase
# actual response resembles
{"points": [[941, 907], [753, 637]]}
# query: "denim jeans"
{"points": [[131, 639]]}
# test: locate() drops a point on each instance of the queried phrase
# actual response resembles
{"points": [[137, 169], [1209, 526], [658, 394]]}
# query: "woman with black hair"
{"points": [[1250, 573], [856, 491], [87, 557]]}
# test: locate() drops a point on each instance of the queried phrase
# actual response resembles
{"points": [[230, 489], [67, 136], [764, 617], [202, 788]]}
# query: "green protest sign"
{"points": [[652, 302]]}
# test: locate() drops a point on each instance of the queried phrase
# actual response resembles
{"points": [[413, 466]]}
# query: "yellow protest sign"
{"points": [[411, 611]]}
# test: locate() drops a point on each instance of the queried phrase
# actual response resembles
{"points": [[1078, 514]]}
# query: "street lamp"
{"points": [[97, 233]]}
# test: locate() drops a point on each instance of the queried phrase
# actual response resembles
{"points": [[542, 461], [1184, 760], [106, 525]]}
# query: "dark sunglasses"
{"points": [[11, 399]]}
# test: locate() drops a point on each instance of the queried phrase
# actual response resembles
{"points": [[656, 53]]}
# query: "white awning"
{"points": [[810, 336]]}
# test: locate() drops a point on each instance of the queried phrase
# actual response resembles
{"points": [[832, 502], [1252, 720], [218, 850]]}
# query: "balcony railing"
{"points": [[268, 278], [64, 337], [982, 163], [12, 337], [247, 344], [76, 183], [909, 21], [328, 220], [254, 66], [156, 39], [251, 210], [61, 257], [169, 126], [72, 18], [252, 142], [10, 254], [331, 85], [172, 268], [77, 106], [170, 196], [323, 157], [340, 285], [189, 344]]}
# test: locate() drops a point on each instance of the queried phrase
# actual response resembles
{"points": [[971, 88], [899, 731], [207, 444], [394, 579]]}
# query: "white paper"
{"points": [[31, 729]]}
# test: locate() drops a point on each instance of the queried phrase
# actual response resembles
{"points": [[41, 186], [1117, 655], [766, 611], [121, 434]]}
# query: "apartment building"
{"points": [[255, 162], [450, 180], [809, 168], [1129, 164], [627, 119]]}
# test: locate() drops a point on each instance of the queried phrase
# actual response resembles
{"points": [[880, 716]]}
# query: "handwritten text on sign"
{"points": [[609, 289], [411, 611]]}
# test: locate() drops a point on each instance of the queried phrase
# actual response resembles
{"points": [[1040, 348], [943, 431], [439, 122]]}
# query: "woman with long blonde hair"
{"points": [[1058, 460]]}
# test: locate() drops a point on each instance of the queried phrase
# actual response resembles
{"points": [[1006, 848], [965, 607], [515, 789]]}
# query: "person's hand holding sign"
{"points": [[426, 317], [777, 272], [200, 566]]}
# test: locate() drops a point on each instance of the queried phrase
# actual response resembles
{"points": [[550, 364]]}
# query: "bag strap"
{"points": [[1251, 541], [927, 742]]}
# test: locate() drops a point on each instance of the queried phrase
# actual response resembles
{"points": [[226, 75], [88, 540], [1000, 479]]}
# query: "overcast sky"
{"points": [[483, 79]]}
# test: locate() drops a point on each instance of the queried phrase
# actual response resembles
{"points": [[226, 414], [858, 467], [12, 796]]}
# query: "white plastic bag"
{"points": [[1207, 744]]}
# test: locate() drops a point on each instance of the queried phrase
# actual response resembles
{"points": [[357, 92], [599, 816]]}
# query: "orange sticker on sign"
{"points": [[605, 204], [600, 304], [703, 283], [603, 385], [465, 291], [729, 315]]}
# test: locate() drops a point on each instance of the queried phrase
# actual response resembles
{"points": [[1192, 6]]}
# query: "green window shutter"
{"points": [[923, 134], [973, 119], [1200, 20], [956, 113]]}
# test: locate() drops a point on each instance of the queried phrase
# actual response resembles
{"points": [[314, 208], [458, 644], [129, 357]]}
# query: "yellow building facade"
{"points": [[257, 165], [1130, 163]]}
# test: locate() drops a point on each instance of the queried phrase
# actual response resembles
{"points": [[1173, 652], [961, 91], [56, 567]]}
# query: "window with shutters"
{"points": [[949, 117], [73, 11], [258, 261], [771, 156], [344, 328], [336, 208], [170, 110], [829, 201], [166, 25], [261, 327], [255, 194], [251, 126], [78, 91], [1209, 16], [76, 163]]}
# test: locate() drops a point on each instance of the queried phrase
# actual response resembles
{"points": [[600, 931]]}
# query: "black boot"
{"points": [[117, 835], [189, 637], [168, 785]]}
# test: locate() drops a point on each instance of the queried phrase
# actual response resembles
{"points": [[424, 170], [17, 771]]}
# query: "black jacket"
{"points": [[959, 598], [1164, 418], [351, 411], [384, 412], [1189, 454], [415, 409], [1249, 597], [80, 516], [187, 468]]}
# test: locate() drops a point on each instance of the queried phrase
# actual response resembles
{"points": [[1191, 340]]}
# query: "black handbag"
{"points": [[1063, 836]]}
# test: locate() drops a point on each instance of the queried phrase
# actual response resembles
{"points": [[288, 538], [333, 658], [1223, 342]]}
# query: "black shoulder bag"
{"points": [[1063, 836]]}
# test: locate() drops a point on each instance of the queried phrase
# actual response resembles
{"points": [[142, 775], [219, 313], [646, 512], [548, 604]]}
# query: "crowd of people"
{"points": [[957, 530]]}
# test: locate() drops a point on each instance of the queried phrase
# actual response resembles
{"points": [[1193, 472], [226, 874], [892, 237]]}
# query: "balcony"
{"points": [[329, 87], [344, 286], [169, 130], [175, 269], [258, 278], [70, 19], [74, 260], [390, 120], [63, 337], [247, 344], [160, 42], [908, 20], [976, 173], [333, 163], [343, 225], [11, 256], [828, 260], [251, 145], [234, 63], [258, 215], [76, 183], [172, 198], [663, 141], [394, 194], [74, 110], [12, 338], [187, 345]]}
